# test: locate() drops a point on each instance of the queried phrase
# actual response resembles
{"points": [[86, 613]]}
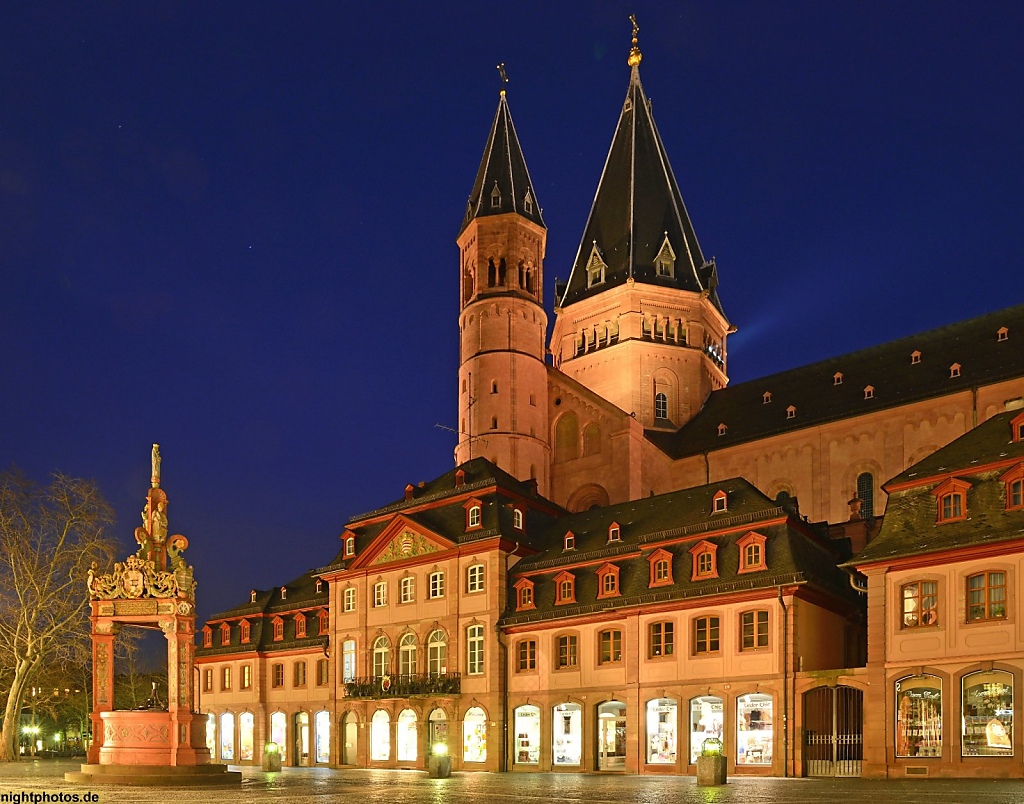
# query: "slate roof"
{"points": [[887, 368], [636, 205], [909, 527], [503, 166], [793, 555]]}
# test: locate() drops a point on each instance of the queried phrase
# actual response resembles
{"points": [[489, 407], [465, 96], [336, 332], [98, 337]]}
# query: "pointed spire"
{"points": [[637, 210], [502, 181]]}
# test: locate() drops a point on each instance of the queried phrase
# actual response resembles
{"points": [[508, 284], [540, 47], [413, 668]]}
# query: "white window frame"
{"points": [[380, 594], [475, 650], [349, 602], [437, 585], [474, 578], [474, 516], [408, 590], [517, 519]]}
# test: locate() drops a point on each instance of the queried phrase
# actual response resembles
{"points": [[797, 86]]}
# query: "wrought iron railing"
{"points": [[403, 686]]}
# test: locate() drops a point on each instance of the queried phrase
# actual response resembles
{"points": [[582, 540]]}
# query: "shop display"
{"points": [[754, 730], [278, 732], [919, 717], [988, 714], [567, 734], [227, 736], [526, 723], [322, 728], [706, 721], [380, 736], [474, 736], [661, 731], [246, 735]]}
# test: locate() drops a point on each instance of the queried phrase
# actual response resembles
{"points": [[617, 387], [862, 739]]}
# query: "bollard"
{"points": [[271, 757], [439, 764]]}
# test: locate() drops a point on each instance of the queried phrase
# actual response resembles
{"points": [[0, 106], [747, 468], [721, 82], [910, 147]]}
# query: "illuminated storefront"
{"points": [[227, 736], [919, 717], [246, 736], [611, 736], [662, 739], [322, 730], [406, 737], [754, 729], [526, 721], [474, 735], [211, 734], [987, 714], [279, 732], [707, 721], [567, 734], [380, 736]]}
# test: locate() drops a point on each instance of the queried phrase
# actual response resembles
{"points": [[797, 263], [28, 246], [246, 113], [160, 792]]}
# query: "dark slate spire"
{"points": [[502, 182], [638, 226]]}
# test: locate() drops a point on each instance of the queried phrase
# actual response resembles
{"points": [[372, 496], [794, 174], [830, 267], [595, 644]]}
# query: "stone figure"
{"points": [[156, 466]]}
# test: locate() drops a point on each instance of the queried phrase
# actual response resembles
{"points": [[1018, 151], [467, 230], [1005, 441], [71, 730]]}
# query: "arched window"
{"points": [[246, 732], [381, 656], [322, 733], [437, 653], [866, 494], [660, 406], [279, 732], [227, 736], [567, 435], [919, 716], [380, 736], [592, 440], [407, 736], [474, 735], [987, 716], [407, 655]]}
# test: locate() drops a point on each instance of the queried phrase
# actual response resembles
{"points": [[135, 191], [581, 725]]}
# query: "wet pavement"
{"points": [[297, 785]]}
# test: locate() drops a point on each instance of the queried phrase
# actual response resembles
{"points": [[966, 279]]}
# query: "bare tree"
{"points": [[49, 537]]}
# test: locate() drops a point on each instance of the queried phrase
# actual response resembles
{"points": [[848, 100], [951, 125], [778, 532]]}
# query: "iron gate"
{"points": [[833, 731]]}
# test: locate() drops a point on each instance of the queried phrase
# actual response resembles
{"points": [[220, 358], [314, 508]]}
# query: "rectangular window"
{"points": [[986, 596], [526, 655], [225, 678], [299, 677], [407, 590], [754, 630], [208, 680], [660, 639], [350, 599], [246, 676], [610, 584], [380, 594], [566, 651], [610, 647], [475, 650], [436, 585], [300, 626], [475, 578], [348, 660], [705, 635], [920, 603], [277, 676], [321, 673]]}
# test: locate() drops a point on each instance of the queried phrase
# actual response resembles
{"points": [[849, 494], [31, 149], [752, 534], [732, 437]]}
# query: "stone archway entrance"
{"points": [[833, 731]]}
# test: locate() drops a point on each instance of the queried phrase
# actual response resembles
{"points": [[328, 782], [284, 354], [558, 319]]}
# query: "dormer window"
{"points": [[660, 566], [951, 498], [720, 502], [752, 552], [722, 429], [244, 632], [225, 633], [252, 596], [350, 546], [766, 398], [1002, 334], [284, 592], [954, 370], [791, 412], [474, 514], [300, 625], [614, 533], [207, 637], [869, 392], [837, 378], [570, 541], [915, 357], [1014, 481], [528, 203], [1017, 428], [608, 581], [517, 518], [319, 586], [524, 595], [665, 262], [278, 625], [565, 588], [495, 197], [323, 622], [596, 267], [705, 561]]}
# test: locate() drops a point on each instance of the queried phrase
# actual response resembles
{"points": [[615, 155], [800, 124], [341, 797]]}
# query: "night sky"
{"points": [[229, 227]]}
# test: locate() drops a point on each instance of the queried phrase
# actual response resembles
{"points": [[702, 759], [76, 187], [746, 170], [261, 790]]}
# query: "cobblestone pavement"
{"points": [[294, 786]]}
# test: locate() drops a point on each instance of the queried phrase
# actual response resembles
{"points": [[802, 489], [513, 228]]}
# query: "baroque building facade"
{"points": [[631, 556]]}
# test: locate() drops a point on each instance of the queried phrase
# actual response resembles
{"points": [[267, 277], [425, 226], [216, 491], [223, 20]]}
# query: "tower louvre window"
{"points": [[665, 262], [595, 267], [528, 203], [495, 197]]}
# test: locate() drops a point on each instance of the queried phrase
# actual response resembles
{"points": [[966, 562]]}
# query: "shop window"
{"points": [[278, 625], [380, 594], [524, 594], [244, 632], [526, 655], [567, 734], [207, 637], [567, 645], [986, 596], [436, 585], [474, 735], [225, 634], [349, 599], [322, 673], [348, 660], [407, 655], [705, 635], [662, 731], [406, 588], [225, 679], [227, 736], [246, 736], [475, 578], [920, 604], [609, 646], [705, 561], [299, 674], [279, 732], [277, 675], [380, 736], [565, 588], [919, 717], [660, 568], [300, 625], [660, 639], [406, 736], [475, 650], [706, 722], [720, 503], [437, 653], [608, 581], [381, 656], [987, 720], [754, 629], [246, 676], [752, 552], [322, 731], [614, 533], [754, 729], [526, 723]]}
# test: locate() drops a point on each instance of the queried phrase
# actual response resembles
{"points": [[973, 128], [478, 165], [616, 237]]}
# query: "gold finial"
{"points": [[504, 77], [634, 52]]}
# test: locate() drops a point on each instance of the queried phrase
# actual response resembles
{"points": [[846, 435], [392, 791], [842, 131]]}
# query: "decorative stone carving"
{"points": [[406, 545], [138, 577]]}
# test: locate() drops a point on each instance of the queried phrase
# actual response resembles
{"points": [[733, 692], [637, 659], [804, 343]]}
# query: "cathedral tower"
{"points": [[639, 321], [502, 325]]}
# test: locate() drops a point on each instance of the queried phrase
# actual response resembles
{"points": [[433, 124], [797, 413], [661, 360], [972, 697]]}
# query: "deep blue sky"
{"points": [[229, 227]]}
